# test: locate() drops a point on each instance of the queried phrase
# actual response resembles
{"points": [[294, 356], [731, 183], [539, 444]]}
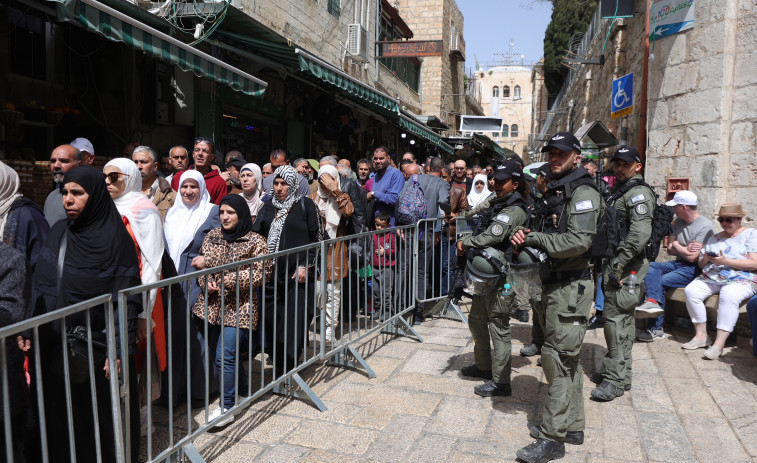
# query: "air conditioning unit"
{"points": [[357, 42]]}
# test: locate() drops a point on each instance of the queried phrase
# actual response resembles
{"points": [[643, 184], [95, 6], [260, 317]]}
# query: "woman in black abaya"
{"points": [[100, 258]]}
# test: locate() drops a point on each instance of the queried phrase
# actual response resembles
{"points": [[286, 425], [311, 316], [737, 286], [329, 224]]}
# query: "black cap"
{"points": [[517, 159], [628, 154], [510, 169], [542, 170], [236, 162], [564, 141]]}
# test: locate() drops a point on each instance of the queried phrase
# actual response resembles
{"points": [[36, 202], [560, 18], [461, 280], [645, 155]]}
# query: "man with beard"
{"points": [[233, 169], [387, 184], [156, 188], [62, 159], [303, 168], [363, 171], [459, 177], [179, 157]]}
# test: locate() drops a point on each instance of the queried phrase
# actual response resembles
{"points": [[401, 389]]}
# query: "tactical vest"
{"points": [[550, 213], [485, 219]]}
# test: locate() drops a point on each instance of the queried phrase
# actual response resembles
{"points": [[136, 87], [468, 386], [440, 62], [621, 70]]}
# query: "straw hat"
{"points": [[731, 210]]}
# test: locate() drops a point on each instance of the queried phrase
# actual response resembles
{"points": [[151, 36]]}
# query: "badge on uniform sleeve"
{"points": [[642, 209], [637, 199], [504, 218], [497, 229], [584, 205]]}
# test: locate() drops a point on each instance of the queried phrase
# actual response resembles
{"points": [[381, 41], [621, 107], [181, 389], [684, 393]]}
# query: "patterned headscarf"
{"points": [[9, 184], [282, 207]]}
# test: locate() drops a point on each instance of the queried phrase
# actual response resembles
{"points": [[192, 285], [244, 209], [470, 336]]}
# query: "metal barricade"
{"points": [[63, 429]]}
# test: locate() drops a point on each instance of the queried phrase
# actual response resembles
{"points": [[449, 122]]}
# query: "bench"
{"points": [[678, 298]]}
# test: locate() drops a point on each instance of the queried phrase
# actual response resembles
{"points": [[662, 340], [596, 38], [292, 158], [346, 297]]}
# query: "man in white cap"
{"points": [[690, 232], [87, 150]]}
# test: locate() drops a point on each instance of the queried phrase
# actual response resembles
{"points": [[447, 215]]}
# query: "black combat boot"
{"points": [[472, 371], [490, 388], [530, 350], [596, 321], [571, 437], [542, 451], [606, 391]]}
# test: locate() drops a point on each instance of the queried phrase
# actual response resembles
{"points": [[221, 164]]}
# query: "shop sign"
{"points": [[411, 49]]}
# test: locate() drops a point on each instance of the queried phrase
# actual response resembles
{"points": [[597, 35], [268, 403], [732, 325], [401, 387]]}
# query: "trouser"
{"points": [[663, 276], [228, 363], [489, 323], [751, 311], [619, 333], [568, 305], [332, 302], [383, 283], [448, 262], [731, 296], [425, 253], [599, 299], [521, 296], [537, 326]]}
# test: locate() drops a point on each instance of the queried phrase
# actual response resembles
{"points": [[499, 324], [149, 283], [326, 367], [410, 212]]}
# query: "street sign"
{"points": [[669, 17], [622, 96]]}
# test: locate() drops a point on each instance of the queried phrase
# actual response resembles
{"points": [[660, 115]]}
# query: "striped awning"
{"points": [[119, 27], [422, 131]]}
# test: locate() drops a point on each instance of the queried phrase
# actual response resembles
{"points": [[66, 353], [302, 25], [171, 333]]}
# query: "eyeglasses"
{"points": [[728, 219], [113, 176]]}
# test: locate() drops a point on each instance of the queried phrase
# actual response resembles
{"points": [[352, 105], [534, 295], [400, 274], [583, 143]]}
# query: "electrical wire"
{"points": [[614, 18]]}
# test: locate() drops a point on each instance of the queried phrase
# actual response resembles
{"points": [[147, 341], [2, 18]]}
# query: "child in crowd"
{"points": [[384, 250]]}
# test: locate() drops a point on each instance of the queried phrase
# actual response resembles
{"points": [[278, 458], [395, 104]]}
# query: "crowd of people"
{"points": [[146, 217]]}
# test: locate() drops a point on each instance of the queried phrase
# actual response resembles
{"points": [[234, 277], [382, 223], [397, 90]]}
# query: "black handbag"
{"points": [[76, 340]]}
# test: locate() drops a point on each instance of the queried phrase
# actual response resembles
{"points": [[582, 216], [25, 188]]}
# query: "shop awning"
{"points": [[119, 27], [418, 129], [340, 79]]}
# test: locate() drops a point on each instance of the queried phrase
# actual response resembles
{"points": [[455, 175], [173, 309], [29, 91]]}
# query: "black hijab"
{"points": [[244, 224], [100, 255]]}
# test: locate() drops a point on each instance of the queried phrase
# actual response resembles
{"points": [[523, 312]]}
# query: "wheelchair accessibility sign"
{"points": [[622, 96]]}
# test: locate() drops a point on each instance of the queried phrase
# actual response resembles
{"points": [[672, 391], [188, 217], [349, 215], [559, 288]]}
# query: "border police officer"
{"points": [[564, 224], [490, 312], [634, 202]]}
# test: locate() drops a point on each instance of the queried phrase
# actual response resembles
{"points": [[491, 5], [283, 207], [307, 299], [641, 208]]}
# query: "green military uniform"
{"points": [[565, 230], [490, 313], [635, 208]]}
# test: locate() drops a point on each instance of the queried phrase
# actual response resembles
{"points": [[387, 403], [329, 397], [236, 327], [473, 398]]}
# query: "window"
{"points": [[334, 7], [505, 129], [514, 131], [495, 92], [506, 91], [453, 36], [407, 70], [516, 94]]}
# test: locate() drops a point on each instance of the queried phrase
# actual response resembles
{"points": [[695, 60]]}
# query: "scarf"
{"points": [[144, 218], [9, 183], [183, 221], [281, 208], [474, 197], [254, 201], [327, 204], [244, 222]]}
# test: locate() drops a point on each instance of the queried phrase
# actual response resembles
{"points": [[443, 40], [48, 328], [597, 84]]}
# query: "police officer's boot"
{"points": [[596, 321], [530, 350], [473, 371], [490, 388], [571, 437], [541, 451], [606, 391]]}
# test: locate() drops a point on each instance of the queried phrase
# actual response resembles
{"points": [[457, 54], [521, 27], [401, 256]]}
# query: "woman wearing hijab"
{"points": [[99, 259], [187, 223], [289, 221], [251, 178], [336, 208], [233, 241], [478, 192], [22, 223]]}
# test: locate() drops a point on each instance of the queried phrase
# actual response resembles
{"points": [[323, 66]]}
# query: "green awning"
{"points": [[491, 144], [340, 79], [119, 27], [416, 128]]}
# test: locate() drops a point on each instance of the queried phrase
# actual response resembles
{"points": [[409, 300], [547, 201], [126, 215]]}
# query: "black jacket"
{"points": [[359, 220]]}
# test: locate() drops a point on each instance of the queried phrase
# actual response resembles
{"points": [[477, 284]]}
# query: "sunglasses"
{"points": [[113, 176], [728, 219]]}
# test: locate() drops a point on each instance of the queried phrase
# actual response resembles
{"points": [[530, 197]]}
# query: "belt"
{"points": [[570, 275]]}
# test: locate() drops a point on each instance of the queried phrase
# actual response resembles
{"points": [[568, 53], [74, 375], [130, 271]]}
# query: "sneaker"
{"points": [[650, 335], [530, 350], [696, 343], [227, 417], [649, 309], [713, 353]]}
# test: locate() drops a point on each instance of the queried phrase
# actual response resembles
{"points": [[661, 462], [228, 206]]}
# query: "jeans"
{"points": [[751, 311], [663, 276], [599, 299], [227, 355], [448, 262]]}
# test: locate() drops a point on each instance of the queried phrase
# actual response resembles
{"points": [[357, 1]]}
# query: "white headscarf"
{"points": [[9, 184], [328, 205], [144, 219], [474, 197], [282, 207], [182, 221], [253, 201]]}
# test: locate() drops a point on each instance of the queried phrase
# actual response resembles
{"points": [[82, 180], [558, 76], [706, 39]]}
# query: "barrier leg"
{"points": [[448, 309], [191, 454], [342, 358], [305, 393], [400, 326]]}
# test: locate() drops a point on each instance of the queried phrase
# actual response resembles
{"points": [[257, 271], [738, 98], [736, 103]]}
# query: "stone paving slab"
{"points": [[419, 408]]}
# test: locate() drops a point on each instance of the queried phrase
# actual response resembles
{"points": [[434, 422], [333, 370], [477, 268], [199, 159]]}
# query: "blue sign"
{"points": [[622, 96], [669, 17]]}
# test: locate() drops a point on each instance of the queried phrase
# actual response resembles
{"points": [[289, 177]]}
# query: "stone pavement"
{"points": [[419, 408]]}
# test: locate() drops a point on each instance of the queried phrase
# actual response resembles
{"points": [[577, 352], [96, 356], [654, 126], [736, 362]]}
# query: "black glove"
{"points": [[614, 278]]}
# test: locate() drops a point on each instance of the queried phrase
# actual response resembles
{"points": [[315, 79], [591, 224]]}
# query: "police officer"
{"points": [[634, 201], [563, 225], [490, 312]]}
